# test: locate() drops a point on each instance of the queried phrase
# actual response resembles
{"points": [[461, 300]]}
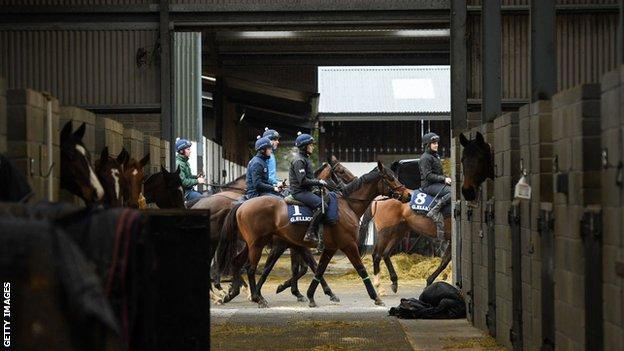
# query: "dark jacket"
{"points": [[301, 176], [431, 171], [258, 177], [188, 180]]}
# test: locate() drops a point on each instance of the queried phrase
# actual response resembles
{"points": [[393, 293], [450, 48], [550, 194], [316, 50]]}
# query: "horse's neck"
{"points": [[365, 195]]}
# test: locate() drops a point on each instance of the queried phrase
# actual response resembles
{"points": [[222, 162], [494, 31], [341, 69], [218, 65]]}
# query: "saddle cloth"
{"points": [[300, 213], [422, 202]]}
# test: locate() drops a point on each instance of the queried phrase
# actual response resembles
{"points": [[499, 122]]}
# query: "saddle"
{"points": [[290, 200], [298, 212], [422, 202]]}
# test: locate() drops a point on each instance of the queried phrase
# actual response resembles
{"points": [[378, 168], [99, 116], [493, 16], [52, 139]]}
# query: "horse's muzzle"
{"points": [[470, 194]]}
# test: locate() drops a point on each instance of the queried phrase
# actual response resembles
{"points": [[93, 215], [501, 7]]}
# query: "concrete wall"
{"points": [[613, 215], [133, 143], [165, 153], [108, 133], [151, 145]]}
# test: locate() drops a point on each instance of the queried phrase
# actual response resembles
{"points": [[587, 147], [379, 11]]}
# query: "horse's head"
{"points": [[342, 173], [390, 186], [477, 164], [109, 171], [77, 175], [165, 189], [134, 174]]}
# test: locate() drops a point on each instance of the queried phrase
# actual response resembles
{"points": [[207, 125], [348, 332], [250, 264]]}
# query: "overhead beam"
{"points": [[543, 55], [560, 9], [459, 107], [267, 89]]}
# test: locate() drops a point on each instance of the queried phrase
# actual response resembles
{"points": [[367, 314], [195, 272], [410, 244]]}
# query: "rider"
{"points": [[433, 180], [302, 180], [183, 148], [257, 171], [274, 136]]}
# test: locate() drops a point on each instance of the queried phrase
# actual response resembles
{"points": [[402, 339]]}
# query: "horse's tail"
{"points": [[363, 235], [226, 249]]}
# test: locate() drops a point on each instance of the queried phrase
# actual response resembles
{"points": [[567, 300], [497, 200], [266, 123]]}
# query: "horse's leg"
{"points": [[299, 269], [306, 254], [386, 257], [446, 258], [274, 255], [352, 253], [376, 268], [323, 262], [237, 280], [255, 251]]}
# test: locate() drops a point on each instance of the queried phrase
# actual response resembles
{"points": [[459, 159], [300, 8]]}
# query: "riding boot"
{"points": [[310, 235], [437, 216]]}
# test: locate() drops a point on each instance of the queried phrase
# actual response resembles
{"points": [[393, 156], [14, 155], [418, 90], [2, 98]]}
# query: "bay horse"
{"points": [[301, 258], [259, 219], [109, 171], [134, 174], [77, 175], [164, 188], [394, 220]]}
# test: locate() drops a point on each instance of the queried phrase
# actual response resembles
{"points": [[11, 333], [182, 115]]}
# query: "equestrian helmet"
{"points": [[272, 134], [263, 143], [430, 138], [182, 144], [303, 140]]}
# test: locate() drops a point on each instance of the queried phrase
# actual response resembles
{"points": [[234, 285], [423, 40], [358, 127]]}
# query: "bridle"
{"points": [[394, 192]]}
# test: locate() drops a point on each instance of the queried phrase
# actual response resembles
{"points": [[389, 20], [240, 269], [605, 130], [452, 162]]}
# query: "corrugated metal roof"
{"points": [[398, 89]]}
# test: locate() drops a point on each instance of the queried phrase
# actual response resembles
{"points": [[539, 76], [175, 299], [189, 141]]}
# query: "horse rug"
{"points": [[303, 214], [439, 300], [422, 202]]}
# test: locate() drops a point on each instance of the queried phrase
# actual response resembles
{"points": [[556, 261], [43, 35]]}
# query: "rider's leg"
{"points": [[444, 197], [191, 195], [313, 201]]}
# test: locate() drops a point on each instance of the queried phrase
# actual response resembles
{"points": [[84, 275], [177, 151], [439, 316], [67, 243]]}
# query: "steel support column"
{"points": [[543, 56], [491, 60], [458, 67], [166, 115], [620, 38]]}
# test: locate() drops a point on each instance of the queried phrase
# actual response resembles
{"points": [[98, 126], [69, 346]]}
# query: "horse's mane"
{"points": [[320, 169], [150, 178], [357, 183]]}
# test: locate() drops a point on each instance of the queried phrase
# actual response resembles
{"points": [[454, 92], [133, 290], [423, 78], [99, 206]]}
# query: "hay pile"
{"points": [[458, 343], [407, 266]]}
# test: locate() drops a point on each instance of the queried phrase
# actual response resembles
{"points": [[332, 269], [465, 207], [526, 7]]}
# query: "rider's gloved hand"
{"points": [[323, 182]]}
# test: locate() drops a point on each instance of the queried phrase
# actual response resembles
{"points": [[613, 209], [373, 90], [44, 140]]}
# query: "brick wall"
{"points": [[3, 116], [165, 153], [535, 121], [133, 143], [108, 133], [613, 215], [576, 138], [148, 124], [26, 142]]}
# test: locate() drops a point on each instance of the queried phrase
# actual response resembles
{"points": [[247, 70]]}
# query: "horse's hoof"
{"points": [[395, 287], [312, 304], [280, 288], [334, 298], [219, 302], [302, 299], [378, 302], [263, 304]]}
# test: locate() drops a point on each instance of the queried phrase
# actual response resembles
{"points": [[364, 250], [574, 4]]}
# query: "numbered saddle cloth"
{"points": [[422, 202], [303, 214]]}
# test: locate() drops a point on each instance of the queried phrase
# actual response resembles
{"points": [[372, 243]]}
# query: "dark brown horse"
{"points": [[394, 220], [109, 171], [260, 219], [77, 175], [164, 189]]}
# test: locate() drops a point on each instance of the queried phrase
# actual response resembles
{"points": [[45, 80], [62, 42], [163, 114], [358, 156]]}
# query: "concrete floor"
{"points": [[354, 323]]}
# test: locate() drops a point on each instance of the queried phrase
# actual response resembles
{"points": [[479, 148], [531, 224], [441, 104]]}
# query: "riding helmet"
{"points": [[303, 140], [263, 143], [272, 134], [430, 138], [182, 144]]}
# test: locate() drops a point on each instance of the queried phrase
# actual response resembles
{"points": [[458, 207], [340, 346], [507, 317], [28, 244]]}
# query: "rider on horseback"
{"points": [[183, 149], [258, 173], [302, 180], [274, 136], [433, 180]]}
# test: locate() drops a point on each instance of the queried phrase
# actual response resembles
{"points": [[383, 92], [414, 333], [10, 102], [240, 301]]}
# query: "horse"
{"points": [[109, 171], [77, 175], [301, 258], [133, 173], [259, 219], [164, 188], [394, 220], [14, 186], [477, 164]]}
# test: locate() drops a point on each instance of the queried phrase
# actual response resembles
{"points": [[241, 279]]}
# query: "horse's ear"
{"points": [[123, 158], [164, 170], [104, 154], [462, 140], [79, 133], [479, 138], [66, 131], [145, 160], [380, 167]]}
